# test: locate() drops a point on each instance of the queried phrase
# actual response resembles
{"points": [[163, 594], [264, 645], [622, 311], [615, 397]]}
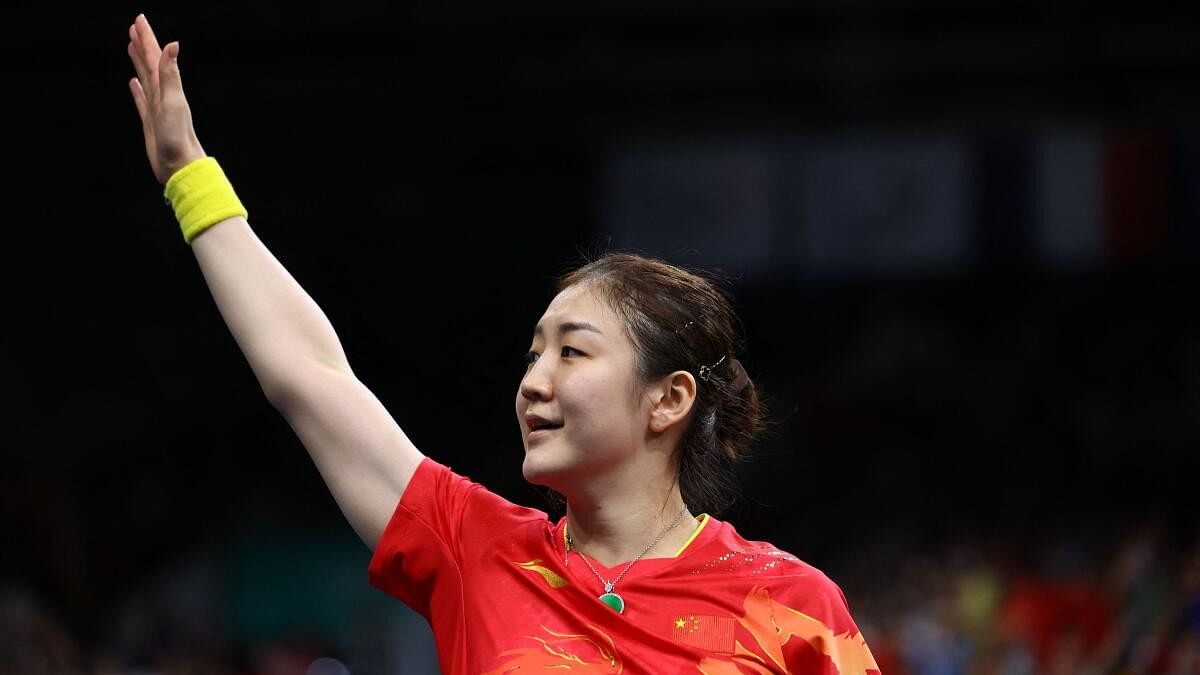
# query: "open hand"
{"points": [[171, 141]]}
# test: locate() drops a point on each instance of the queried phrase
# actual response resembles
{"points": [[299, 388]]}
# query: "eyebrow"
{"points": [[568, 326]]}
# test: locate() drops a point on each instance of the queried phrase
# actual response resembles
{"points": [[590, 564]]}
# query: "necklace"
{"points": [[610, 597]]}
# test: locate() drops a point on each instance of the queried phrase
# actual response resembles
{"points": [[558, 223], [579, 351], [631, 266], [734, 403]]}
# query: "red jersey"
{"points": [[490, 578]]}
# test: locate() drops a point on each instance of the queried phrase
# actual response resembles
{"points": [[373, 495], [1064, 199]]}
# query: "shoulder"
{"points": [[441, 508], [436, 490], [442, 524], [775, 597], [787, 579]]}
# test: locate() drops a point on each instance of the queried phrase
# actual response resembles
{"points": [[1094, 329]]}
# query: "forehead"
{"points": [[581, 302]]}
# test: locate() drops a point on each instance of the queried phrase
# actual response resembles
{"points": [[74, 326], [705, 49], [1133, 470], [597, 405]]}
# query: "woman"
{"points": [[632, 401]]}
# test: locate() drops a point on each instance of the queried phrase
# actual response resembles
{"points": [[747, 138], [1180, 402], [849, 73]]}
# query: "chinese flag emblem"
{"points": [[713, 633]]}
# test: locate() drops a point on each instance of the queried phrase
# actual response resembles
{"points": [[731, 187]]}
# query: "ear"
{"points": [[672, 400]]}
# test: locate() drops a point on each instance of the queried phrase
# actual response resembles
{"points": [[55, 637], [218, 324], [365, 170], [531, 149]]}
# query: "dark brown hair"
{"points": [[680, 320]]}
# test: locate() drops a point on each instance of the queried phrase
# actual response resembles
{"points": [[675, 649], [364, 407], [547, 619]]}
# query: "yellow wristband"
{"points": [[201, 196]]}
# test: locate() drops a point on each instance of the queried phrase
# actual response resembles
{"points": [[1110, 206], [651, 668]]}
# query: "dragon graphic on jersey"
{"points": [[773, 624], [594, 653], [770, 625]]}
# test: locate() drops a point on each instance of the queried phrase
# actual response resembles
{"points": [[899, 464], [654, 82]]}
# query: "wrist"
{"points": [[182, 159], [201, 197]]}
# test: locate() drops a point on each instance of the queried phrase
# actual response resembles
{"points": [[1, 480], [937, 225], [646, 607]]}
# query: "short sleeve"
{"points": [[441, 522], [821, 618]]}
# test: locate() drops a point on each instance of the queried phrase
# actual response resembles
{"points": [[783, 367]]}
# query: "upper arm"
{"points": [[362, 454]]}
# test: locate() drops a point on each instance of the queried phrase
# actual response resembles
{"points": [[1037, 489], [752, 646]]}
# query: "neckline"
{"points": [[703, 520]]}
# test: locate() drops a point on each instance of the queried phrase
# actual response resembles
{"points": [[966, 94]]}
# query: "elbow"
{"points": [[281, 396], [293, 387]]}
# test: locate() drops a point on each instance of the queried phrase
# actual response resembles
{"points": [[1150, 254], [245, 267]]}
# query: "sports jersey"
{"points": [[491, 578]]}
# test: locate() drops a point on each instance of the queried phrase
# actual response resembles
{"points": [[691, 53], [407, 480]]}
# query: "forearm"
{"points": [[363, 455], [278, 326]]}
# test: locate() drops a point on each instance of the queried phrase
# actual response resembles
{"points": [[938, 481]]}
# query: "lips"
{"points": [[540, 425]]}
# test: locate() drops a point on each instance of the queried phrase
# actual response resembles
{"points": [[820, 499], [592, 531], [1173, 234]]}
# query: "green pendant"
{"points": [[613, 600]]}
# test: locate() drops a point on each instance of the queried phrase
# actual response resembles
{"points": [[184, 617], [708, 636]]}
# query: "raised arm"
{"points": [[364, 457]]}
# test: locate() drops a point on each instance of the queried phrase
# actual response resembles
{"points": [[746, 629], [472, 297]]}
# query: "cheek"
{"points": [[601, 401], [587, 391]]}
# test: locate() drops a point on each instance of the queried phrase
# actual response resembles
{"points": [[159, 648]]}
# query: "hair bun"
{"points": [[738, 379]]}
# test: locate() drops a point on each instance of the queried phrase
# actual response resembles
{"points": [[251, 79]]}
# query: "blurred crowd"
{"points": [[1070, 603], [1128, 603], [291, 604]]}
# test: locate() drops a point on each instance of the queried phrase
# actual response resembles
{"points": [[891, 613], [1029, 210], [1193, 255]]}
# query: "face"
{"points": [[580, 406]]}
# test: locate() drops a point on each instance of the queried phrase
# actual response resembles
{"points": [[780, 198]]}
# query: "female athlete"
{"points": [[632, 403]]}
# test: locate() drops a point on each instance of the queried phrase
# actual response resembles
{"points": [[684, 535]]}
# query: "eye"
{"points": [[571, 351], [530, 357]]}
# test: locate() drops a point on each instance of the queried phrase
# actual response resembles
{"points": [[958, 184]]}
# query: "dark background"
{"points": [[425, 171]]}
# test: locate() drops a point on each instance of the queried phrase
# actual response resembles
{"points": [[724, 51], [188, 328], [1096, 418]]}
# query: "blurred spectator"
{"points": [[32, 641]]}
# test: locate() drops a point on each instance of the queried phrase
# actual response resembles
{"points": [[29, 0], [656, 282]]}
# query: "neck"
{"points": [[617, 528]]}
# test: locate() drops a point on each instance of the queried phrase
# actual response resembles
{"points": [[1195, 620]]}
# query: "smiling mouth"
{"points": [[543, 429]]}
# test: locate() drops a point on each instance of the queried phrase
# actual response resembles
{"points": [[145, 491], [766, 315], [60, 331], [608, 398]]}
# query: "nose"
{"points": [[535, 386]]}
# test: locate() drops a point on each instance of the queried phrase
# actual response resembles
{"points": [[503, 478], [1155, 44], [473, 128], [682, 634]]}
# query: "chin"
{"points": [[543, 468], [535, 469]]}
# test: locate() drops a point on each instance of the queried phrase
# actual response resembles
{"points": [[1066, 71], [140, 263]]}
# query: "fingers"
{"points": [[139, 100], [168, 68], [146, 52], [139, 97], [143, 74], [147, 32]]}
